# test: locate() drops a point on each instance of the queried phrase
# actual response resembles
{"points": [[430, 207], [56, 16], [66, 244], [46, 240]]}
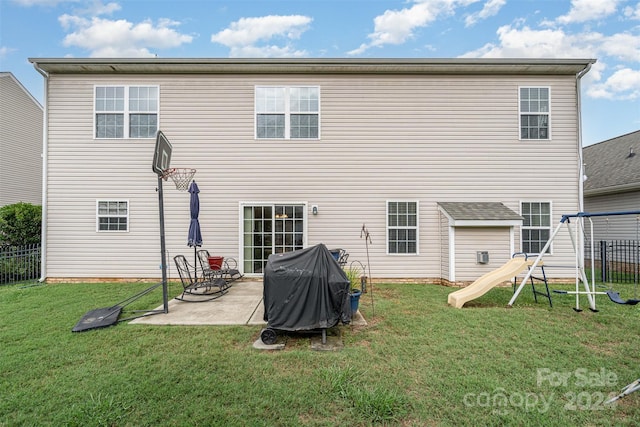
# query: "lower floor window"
{"points": [[536, 227], [113, 215], [402, 227]]}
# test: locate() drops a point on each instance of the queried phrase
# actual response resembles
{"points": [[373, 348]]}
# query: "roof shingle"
{"points": [[479, 211], [613, 165]]}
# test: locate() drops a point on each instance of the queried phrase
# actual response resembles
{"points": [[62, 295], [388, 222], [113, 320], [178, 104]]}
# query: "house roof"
{"points": [[613, 166], [307, 65], [479, 213]]}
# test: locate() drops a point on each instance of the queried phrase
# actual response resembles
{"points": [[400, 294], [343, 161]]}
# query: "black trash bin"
{"points": [[304, 290]]}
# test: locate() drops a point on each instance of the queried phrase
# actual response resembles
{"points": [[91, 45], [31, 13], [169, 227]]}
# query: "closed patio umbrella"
{"points": [[195, 235]]}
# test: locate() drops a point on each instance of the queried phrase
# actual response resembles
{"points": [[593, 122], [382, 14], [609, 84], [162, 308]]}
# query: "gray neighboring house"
{"points": [[612, 168], [21, 117]]}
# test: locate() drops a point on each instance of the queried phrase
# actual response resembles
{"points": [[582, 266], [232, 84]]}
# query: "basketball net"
{"points": [[181, 177]]}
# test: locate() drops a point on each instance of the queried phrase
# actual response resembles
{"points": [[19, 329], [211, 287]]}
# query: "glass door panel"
{"points": [[270, 229]]}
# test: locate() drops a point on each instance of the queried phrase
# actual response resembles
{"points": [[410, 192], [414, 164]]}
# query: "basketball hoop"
{"points": [[181, 177]]}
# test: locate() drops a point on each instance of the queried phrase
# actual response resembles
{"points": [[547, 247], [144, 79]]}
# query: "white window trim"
{"points": [[98, 216], [521, 113], [126, 111], [286, 112], [523, 227], [417, 227]]}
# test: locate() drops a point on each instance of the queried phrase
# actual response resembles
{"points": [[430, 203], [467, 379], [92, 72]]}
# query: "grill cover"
{"points": [[305, 290]]}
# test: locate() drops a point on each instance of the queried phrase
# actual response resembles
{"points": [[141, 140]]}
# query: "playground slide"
{"points": [[485, 283]]}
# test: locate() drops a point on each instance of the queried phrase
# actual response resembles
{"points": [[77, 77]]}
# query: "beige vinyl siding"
{"points": [[470, 240], [426, 138], [20, 144], [625, 227], [445, 261]]}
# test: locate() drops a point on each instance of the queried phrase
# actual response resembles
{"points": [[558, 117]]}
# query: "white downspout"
{"points": [[581, 160], [45, 174], [581, 170]]}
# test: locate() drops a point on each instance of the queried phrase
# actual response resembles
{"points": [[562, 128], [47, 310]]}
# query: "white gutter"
{"points": [[45, 156]]}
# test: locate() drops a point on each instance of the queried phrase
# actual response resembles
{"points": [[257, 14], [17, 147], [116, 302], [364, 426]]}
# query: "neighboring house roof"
{"points": [[313, 66], [479, 213], [613, 166]]}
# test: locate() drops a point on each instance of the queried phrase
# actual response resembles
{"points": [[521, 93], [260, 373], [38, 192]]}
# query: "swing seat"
{"points": [[615, 297]]}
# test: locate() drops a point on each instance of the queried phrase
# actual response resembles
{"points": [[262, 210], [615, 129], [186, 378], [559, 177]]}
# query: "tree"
{"points": [[20, 224]]}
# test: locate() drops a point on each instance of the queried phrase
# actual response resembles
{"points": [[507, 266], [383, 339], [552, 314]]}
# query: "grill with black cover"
{"points": [[304, 290]]}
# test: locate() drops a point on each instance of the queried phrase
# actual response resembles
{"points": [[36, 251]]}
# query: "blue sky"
{"points": [[607, 30]]}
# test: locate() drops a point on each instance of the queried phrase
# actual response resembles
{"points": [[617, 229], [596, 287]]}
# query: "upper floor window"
{"points": [[112, 215], [402, 227], [536, 228], [291, 112], [534, 112], [126, 111]]}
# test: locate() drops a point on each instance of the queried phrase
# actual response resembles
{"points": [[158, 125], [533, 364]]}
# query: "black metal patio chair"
{"points": [[198, 289], [224, 267], [210, 267]]}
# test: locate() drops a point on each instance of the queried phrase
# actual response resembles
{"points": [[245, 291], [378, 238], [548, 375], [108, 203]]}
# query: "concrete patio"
{"points": [[241, 305]]}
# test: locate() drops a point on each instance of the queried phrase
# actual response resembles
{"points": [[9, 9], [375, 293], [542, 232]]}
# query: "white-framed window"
{"points": [[287, 112], [536, 227], [126, 111], [112, 215], [402, 227], [535, 112]]}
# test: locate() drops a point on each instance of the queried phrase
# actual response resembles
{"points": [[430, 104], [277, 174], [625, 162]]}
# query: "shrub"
{"points": [[20, 224]]}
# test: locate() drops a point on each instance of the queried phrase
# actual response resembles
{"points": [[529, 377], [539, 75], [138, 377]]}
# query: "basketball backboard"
{"points": [[162, 154]]}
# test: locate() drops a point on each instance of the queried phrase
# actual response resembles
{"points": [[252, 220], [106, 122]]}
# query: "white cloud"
{"points": [[491, 8], [89, 8], [97, 8], [525, 42], [244, 37], [29, 3], [4, 51], [121, 38], [588, 10], [530, 43], [632, 12], [624, 84], [398, 26], [623, 46]]}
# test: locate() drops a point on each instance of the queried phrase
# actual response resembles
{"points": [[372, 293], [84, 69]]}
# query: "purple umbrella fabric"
{"points": [[195, 235]]}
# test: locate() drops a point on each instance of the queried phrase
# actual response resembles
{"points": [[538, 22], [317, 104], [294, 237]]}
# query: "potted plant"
{"points": [[355, 280]]}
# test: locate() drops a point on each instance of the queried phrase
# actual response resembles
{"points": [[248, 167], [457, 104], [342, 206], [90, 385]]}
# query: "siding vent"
{"points": [[482, 257]]}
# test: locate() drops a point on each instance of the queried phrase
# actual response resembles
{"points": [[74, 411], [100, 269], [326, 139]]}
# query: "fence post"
{"points": [[603, 260]]}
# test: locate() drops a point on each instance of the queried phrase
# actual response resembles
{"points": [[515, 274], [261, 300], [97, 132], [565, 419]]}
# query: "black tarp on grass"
{"points": [[305, 290]]}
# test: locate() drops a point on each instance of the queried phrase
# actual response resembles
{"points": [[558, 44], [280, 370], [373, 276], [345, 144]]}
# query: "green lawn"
{"points": [[418, 362]]}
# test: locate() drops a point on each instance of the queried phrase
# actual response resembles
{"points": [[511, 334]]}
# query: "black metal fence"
{"points": [[19, 263], [617, 260]]}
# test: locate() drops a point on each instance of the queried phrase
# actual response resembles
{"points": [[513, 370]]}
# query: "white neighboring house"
{"points": [[21, 131], [441, 160], [612, 168]]}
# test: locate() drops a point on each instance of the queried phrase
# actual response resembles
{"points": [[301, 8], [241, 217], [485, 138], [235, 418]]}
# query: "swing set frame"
{"points": [[581, 276]]}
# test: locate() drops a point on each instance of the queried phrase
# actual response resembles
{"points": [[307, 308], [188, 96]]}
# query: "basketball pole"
{"points": [[165, 299]]}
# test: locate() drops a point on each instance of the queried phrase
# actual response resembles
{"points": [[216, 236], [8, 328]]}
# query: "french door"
{"points": [[269, 229]]}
